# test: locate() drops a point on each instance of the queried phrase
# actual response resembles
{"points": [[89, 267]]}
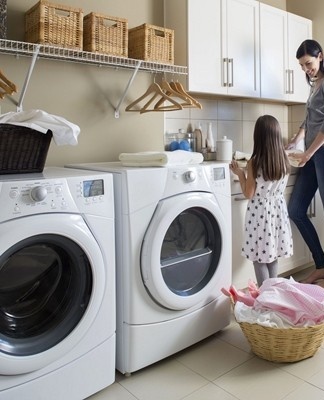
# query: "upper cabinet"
{"points": [[219, 41], [239, 48], [281, 33]]}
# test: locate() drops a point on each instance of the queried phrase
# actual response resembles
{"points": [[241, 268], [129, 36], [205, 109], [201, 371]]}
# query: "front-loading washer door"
{"points": [[183, 248], [49, 289]]}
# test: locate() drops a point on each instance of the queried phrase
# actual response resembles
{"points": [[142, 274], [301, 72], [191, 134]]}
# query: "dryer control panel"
{"points": [[81, 195]]}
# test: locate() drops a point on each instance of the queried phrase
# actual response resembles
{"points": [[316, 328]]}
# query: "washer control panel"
{"points": [[90, 195]]}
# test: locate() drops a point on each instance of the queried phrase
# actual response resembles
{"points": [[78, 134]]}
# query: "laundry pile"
{"points": [[160, 158], [64, 132], [279, 303]]}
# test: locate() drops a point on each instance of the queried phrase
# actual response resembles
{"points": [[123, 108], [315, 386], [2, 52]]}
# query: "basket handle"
{"points": [[62, 13], [158, 32]]}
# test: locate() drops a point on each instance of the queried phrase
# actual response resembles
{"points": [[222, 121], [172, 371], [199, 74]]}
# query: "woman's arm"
{"points": [[300, 135], [317, 143]]}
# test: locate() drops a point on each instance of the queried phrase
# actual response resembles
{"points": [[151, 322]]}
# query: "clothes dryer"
{"points": [[173, 256], [57, 284]]}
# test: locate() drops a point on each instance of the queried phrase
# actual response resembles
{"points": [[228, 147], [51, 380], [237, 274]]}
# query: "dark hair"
{"points": [[311, 48], [269, 155]]}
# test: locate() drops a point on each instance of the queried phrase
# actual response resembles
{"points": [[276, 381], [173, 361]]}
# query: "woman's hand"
{"points": [[302, 158]]}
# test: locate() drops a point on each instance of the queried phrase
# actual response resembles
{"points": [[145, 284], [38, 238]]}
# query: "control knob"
{"points": [[38, 193], [189, 176]]}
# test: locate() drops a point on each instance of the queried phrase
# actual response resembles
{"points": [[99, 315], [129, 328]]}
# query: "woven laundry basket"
{"points": [[283, 344], [22, 150]]}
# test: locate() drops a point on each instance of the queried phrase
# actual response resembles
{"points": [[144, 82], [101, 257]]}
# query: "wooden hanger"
{"points": [[154, 90], [5, 84], [185, 100], [180, 89]]}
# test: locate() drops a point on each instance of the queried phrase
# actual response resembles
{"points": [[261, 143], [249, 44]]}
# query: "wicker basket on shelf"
{"points": [[283, 344], [22, 150], [54, 24], [151, 43], [105, 34]]}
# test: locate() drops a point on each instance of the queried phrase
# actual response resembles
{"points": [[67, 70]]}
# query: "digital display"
{"points": [[93, 188], [219, 173]]}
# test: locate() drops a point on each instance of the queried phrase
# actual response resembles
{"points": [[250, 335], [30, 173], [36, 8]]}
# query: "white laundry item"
{"points": [[64, 132], [239, 155], [160, 158]]}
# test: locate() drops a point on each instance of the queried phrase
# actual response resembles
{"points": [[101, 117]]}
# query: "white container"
{"points": [[224, 149]]}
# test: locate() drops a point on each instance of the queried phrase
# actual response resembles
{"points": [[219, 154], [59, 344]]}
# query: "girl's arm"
{"points": [[247, 180]]}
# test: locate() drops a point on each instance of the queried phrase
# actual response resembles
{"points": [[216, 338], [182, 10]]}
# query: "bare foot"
{"points": [[314, 276]]}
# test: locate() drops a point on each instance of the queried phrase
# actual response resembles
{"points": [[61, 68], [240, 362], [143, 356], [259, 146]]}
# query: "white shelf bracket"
{"points": [[30, 71], [127, 87]]}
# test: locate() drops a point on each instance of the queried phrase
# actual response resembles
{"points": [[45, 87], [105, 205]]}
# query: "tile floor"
{"points": [[222, 367]]}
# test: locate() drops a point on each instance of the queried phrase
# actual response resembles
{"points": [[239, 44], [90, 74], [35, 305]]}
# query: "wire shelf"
{"points": [[84, 57]]}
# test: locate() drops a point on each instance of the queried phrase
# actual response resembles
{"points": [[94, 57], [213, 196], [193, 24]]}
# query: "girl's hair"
{"points": [[269, 156], [311, 48]]}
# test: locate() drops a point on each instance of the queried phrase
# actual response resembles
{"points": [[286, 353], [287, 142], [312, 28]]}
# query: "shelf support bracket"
{"points": [[30, 71], [127, 87]]}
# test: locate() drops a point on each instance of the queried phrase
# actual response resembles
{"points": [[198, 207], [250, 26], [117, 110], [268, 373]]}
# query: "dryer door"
{"points": [[185, 250], [52, 281]]}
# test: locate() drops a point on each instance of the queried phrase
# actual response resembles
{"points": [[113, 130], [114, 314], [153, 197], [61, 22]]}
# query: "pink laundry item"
{"points": [[247, 297], [299, 303]]}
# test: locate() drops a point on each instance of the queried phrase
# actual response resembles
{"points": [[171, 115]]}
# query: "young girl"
{"points": [[267, 232]]}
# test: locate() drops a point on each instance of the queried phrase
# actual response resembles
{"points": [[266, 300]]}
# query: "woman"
{"points": [[311, 176], [267, 233]]}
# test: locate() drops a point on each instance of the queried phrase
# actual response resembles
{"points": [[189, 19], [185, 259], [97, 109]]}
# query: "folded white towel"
{"points": [[160, 158], [64, 132]]}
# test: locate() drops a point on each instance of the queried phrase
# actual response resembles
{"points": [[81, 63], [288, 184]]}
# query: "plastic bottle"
{"points": [[210, 139], [198, 138]]}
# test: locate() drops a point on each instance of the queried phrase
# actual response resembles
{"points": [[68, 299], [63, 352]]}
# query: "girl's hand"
{"points": [[235, 168]]}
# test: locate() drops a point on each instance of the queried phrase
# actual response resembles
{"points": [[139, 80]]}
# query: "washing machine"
{"points": [[173, 256], [57, 284]]}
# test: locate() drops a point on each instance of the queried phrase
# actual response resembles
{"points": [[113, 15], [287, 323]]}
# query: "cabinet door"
{"points": [[316, 214], [206, 46], [301, 255], [242, 268], [242, 30], [273, 52], [299, 29]]}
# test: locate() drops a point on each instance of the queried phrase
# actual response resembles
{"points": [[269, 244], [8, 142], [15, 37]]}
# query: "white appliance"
{"points": [[57, 284], [173, 256]]}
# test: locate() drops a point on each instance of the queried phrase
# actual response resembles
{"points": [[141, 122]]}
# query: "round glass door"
{"points": [[182, 250], [190, 251], [45, 288]]}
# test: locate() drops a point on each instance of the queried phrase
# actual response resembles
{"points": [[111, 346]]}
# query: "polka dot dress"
{"points": [[267, 234]]}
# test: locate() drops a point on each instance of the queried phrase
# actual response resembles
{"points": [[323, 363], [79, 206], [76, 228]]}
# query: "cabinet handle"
{"points": [[287, 81], [231, 82], [225, 72], [292, 81], [239, 198], [312, 209]]}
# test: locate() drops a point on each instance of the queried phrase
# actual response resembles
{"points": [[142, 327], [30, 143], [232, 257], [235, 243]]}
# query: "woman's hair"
{"points": [[311, 48], [269, 156]]}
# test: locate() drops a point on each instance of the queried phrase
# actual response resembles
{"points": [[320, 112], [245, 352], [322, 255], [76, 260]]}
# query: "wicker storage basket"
{"points": [[3, 19], [283, 345], [22, 150], [55, 25], [105, 34], [151, 43]]}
